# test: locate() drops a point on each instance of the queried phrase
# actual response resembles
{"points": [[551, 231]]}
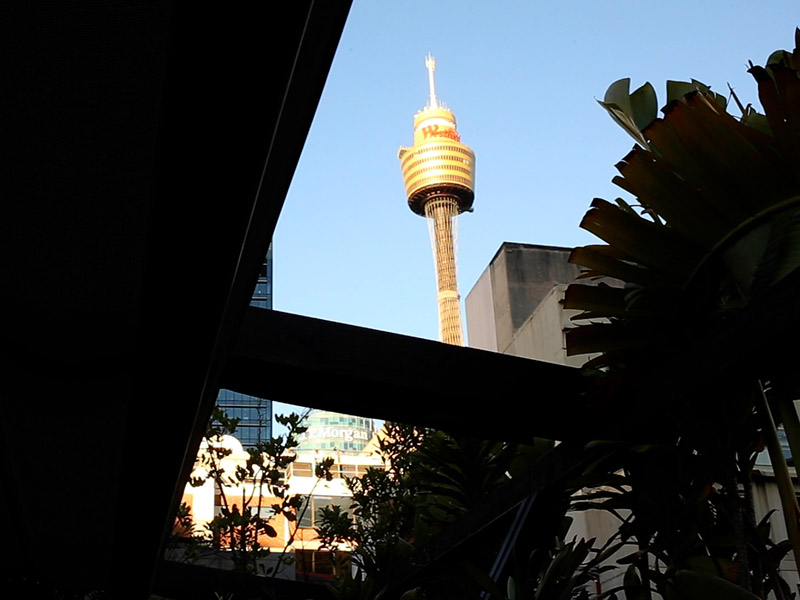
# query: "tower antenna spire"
{"points": [[430, 64]]}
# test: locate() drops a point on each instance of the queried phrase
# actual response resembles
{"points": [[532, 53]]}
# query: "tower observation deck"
{"points": [[439, 176]]}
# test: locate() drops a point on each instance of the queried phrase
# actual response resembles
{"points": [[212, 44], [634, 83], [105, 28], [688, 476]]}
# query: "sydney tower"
{"points": [[439, 175]]}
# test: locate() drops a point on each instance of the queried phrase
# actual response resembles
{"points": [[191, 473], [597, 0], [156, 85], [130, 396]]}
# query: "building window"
{"points": [[309, 512], [312, 562], [347, 471], [302, 469]]}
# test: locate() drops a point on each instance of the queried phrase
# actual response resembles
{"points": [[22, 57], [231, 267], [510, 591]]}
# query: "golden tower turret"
{"points": [[439, 175]]}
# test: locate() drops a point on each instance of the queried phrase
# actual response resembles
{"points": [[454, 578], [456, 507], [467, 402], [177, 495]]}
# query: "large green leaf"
{"points": [[644, 106], [618, 94], [617, 101], [677, 90]]}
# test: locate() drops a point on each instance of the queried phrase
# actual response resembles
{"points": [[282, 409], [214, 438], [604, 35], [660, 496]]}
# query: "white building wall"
{"points": [[542, 335], [479, 307]]}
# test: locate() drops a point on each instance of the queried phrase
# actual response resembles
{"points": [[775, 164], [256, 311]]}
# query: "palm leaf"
{"points": [[723, 198], [617, 102], [650, 245], [601, 299], [657, 185]]}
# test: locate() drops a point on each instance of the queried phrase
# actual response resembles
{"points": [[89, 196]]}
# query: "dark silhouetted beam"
{"points": [[354, 370]]}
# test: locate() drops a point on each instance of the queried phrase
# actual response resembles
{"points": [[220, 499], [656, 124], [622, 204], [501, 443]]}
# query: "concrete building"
{"points": [[516, 308]]}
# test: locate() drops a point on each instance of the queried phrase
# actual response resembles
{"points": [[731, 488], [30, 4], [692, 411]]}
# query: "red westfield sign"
{"points": [[436, 131]]}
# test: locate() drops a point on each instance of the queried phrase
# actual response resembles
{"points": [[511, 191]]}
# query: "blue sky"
{"points": [[522, 79]]}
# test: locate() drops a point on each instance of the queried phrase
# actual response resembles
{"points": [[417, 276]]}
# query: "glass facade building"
{"points": [[335, 432], [262, 294], [254, 414]]}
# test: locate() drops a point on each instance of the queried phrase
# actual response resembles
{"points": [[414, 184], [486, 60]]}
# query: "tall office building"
{"points": [[439, 176], [254, 414], [334, 432]]}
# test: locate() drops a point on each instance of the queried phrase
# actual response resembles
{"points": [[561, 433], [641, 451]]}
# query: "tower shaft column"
{"points": [[442, 211]]}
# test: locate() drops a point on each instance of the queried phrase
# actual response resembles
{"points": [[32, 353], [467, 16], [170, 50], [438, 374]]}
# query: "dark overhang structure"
{"points": [[148, 151], [148, 148]]}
